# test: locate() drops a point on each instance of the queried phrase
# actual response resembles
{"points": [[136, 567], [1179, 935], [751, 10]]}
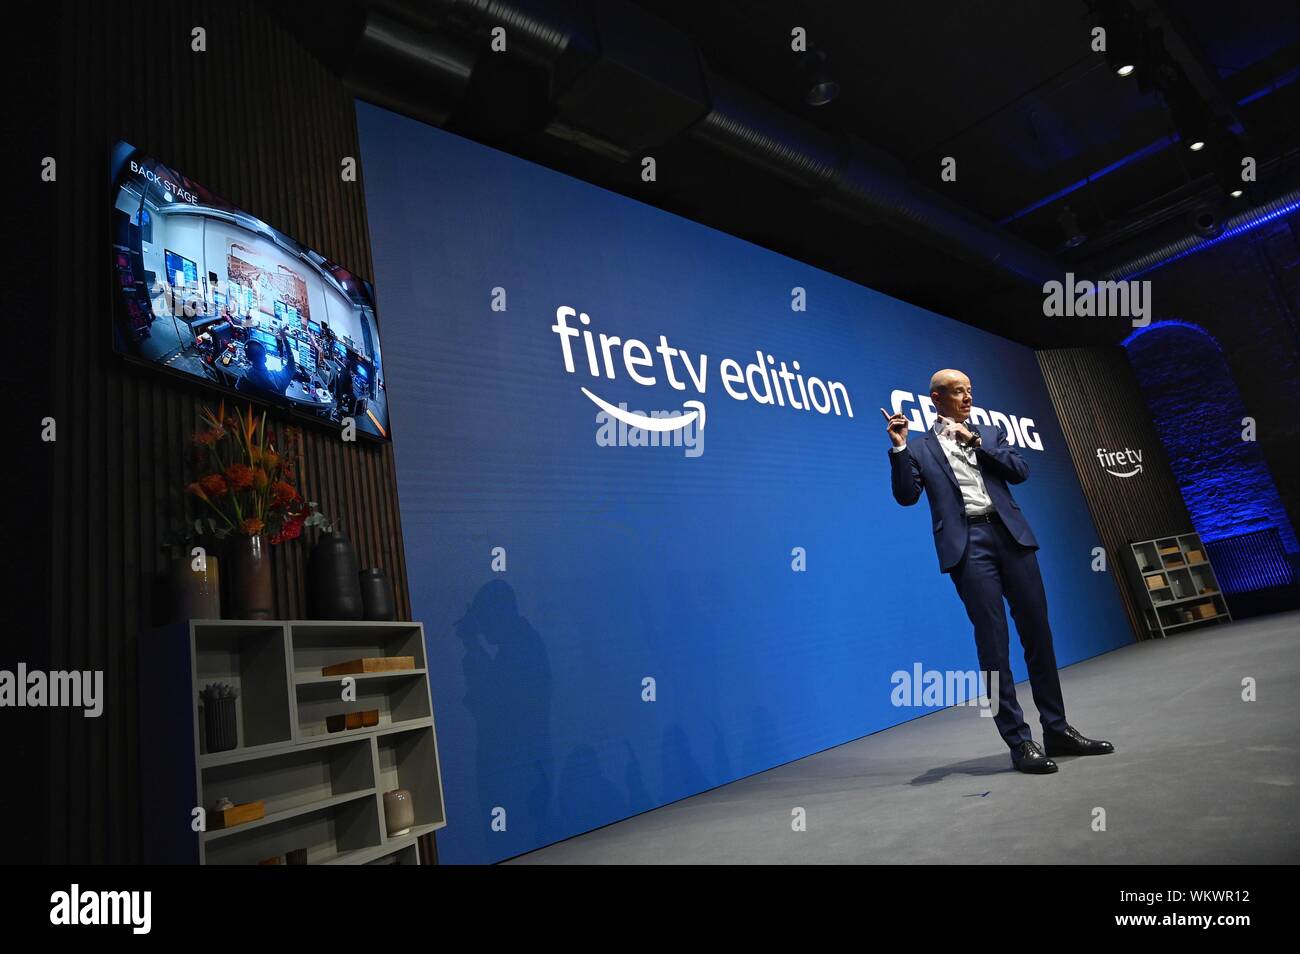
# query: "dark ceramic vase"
{"points": [[333, 589], [219, 724], [249, 566], [377, 594]]}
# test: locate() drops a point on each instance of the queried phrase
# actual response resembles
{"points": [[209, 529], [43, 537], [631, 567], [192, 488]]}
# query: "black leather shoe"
{"points": [[1070, 742], [1028, 757]]}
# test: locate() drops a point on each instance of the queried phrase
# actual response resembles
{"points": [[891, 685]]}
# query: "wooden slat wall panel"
{"points": [[1099, 404], [261, 123]]}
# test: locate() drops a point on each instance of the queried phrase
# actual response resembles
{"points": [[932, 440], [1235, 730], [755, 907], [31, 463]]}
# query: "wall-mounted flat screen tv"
{"points": [[274, 321], [181, 270]]}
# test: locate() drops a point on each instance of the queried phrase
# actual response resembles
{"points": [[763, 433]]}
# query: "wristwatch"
{"points": [[974, 441]]}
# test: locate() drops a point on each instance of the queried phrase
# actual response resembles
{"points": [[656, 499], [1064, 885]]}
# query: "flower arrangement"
{"points": [[247, 484]]}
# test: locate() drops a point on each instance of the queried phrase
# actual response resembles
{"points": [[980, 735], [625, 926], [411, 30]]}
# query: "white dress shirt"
{"points": [[964, 467]]}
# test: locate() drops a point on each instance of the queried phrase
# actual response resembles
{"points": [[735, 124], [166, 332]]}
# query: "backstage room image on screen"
{"points": [[207, 290]]}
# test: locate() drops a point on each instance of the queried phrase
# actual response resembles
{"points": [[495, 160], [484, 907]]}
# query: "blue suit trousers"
{"points": [[994, 566]]}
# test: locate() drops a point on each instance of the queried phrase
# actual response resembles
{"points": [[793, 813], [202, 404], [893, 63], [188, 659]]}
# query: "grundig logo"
{"points": [[1128, 463], [1020, 430], [763, 380]]}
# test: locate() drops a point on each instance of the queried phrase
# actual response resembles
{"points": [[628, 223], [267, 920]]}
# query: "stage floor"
{"points": [[1198, 777]]}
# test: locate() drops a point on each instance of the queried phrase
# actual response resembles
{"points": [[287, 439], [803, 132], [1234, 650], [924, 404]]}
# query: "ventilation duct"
{"points": [[1194, 240], [851, 179], [408, 71]]}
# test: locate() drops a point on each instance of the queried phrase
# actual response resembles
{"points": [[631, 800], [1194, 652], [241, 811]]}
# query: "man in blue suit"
{"points": [[986, 546]]}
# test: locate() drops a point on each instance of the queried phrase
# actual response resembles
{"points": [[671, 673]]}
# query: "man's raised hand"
{"points": [[896, 426]]}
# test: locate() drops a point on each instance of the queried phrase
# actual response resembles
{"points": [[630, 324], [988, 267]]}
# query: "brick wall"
{"points": [[1244, 292]]}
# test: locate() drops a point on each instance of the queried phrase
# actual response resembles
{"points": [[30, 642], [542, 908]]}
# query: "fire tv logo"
{"points": [[1122, 459], [1020, 430], [765, 380]]}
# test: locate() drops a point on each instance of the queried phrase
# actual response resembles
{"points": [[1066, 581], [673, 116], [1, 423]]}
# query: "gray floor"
{"points": [[1198, 776]]}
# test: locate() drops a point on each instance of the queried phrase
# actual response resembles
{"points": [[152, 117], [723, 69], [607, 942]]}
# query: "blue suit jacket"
{"points": [[922, 465]]}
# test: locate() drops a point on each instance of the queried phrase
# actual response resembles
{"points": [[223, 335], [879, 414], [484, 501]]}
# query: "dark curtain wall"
{"points": [[28, 460], [259, 122], [1097, 399]]}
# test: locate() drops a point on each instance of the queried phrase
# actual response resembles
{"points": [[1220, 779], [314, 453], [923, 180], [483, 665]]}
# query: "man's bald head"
{"points": [[942, 379], [950, 390]]}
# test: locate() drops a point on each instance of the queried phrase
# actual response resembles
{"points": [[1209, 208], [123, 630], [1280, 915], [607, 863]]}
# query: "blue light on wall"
{"points": [[1198, 413]]}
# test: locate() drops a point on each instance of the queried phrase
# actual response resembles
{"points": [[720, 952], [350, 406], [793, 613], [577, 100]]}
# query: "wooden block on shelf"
{"points": [[364, 718], [1205, 610], [238, 815], [1156, 582], [369, 664]]}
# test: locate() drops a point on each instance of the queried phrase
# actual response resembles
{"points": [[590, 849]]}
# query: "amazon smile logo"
{"points": [[619, 427], [1126, 463], [657, 421], [763, 380]]}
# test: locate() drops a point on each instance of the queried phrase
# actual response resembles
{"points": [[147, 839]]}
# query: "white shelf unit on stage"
{"points": [[322, 791], [1178, 587]]}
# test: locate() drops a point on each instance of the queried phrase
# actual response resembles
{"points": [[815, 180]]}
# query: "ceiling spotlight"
{"points": [[1226, 154], [1203, 221], [1192, 117], [1069, 223], [820, 86], [1127, 41]]}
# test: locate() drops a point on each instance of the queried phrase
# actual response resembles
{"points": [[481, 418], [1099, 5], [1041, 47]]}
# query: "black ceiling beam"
{"points": [[1185, 53]]}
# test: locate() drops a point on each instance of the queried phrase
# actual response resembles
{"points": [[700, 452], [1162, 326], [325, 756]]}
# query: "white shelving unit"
{"points": [[323, 791], [1180, 588]]}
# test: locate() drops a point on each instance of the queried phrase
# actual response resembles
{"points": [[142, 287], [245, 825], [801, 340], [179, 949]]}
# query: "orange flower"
{"points": [[282, 493], [213, 484], [208, 438], [240, 476], [215, 419], [270, 460], [260, 480], [196, 490], [249, 426], [252, 526], [254, 456]]}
